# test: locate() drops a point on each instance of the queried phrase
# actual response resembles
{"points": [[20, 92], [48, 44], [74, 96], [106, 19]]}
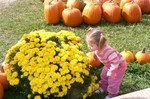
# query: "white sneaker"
{"points": [[107, 97], [99, 90]]}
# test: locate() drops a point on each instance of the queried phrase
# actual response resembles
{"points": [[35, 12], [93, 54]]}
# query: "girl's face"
{"points": [[91, 45]]}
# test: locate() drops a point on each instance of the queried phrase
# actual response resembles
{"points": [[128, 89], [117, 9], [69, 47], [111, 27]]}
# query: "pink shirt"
{"points": [[109, 57]]}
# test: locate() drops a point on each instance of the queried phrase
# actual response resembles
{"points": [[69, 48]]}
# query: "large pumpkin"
{"points": [[144, 5], [111, 12], [142, 57], [51, 13], [1, 91], [4, 81], [131, 12], [92, 61], [128, 56], [92, 13], [60, 5], [72, 17], [123, 2]]}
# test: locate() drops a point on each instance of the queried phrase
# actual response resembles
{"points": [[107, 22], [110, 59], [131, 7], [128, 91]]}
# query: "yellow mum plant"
{"points": [[47, 64]]}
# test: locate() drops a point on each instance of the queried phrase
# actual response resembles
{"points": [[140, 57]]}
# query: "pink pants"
{"points": [[112, 84]]}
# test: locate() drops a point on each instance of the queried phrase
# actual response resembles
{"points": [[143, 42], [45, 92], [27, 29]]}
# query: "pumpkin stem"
{"points": [[143, 50]]}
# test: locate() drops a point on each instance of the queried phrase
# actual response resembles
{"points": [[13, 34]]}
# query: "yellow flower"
{"points": [[51, 61], [25, 74], [14, 74], [29, 96], [16, 81], [37, 97], [85, 96], [68, 76]]}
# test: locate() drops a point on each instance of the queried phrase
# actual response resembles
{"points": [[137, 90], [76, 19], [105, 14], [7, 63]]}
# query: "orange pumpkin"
{"points": [[111, 12], [72, 17], [131, 12], [60, 5], [92, 61], [92, 13], [128, 56], [51, 13], [144, 5], [4, 81], [142, 57], [123, 2], [1, 91], [79, 4]]}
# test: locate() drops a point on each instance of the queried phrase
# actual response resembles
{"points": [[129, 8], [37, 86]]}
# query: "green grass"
{"points": [[27, 15]]}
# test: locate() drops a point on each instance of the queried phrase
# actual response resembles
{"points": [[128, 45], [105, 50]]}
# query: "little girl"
{"points": [[114, 64]]}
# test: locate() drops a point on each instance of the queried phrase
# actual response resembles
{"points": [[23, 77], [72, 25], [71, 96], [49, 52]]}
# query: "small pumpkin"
{"points": [[92, 13], [142, 57], [72, 17], [128, 56], [92, 61], [1, 91], [131, 12], [4, 81], [51, 13]]}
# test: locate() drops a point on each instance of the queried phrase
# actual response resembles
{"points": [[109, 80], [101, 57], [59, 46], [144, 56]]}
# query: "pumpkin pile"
{"points": [[75, 12], [142, 57], [48, 64]]}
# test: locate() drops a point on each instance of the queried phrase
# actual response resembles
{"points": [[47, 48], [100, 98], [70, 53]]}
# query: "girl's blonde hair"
{"points": [[97, 36]]}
